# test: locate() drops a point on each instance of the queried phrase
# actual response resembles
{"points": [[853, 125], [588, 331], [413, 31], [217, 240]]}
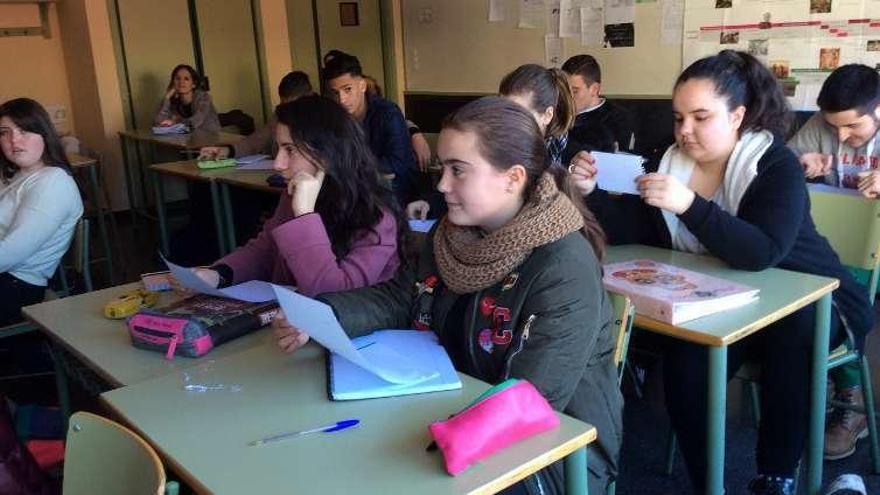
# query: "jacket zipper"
{"points": [[524, 336], [472, 327]]}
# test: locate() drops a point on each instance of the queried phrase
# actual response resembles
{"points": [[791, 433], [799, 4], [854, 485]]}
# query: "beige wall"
{"points": [[301, 28], [363, 41], [275, 46], [451, 47], [34, 66]]}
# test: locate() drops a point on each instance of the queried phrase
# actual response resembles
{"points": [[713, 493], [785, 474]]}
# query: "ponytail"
{"points": [[545, 88], [744, 81]]}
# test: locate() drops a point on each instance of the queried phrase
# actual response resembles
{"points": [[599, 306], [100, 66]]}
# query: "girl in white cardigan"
{"points": [[39, 205]]}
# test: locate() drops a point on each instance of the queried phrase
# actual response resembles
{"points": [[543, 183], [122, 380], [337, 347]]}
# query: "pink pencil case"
{"points": [[505, 414]]}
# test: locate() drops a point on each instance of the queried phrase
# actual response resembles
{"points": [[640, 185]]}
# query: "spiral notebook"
{"points": [[348, 381]]}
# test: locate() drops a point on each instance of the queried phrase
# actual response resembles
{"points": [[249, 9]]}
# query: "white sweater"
{"points": [[38, 212]]}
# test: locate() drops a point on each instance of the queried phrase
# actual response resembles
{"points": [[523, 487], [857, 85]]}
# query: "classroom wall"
{"points": [[363, 41], [39, 62], [274, 46], [450, 46], [301, 30]]}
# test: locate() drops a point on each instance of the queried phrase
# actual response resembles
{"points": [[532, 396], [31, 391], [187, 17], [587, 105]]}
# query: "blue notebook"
{"points": [[348, 381]]}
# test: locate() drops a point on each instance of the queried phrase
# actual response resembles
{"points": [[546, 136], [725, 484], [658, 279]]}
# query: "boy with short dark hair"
{"points": [[599, 125], [840, 145], [382, 121]]}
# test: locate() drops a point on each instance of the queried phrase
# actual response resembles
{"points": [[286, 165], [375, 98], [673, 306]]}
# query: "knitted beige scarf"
{"points": [[469, 260]]}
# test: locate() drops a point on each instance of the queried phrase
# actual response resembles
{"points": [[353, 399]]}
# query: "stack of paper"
{"points": [[178, 128]]}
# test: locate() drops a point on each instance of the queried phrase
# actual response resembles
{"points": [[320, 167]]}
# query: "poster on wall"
{"points": [[619, 35], [801, 41], [532, 14]]}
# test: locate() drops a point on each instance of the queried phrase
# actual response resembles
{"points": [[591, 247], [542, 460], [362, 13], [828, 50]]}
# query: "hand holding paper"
{"points": [[252, 291]]}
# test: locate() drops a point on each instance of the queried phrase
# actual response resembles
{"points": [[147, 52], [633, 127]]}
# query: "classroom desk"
{"points": [[203, 436], [90, 165], [78, 325], [131, 141], [782, 293], [219, 181]]}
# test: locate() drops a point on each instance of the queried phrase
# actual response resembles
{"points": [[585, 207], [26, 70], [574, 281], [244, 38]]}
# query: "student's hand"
{"points": [[166, 123], [816, 164], [288, 337], [418, 210], [869, 184], [213, 153], [422, 150], [582, 172], [304, 189], [666, 192], [170, 93]]}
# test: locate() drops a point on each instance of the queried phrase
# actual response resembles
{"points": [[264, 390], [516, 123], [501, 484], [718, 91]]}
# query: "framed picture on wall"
{"points": [[348, 14]]}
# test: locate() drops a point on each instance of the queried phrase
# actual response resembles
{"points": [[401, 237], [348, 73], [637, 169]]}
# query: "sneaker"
{"points": [[845, 427], [847, 484], [772, 485]]}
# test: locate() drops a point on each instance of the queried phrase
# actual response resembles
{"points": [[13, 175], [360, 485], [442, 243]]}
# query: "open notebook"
{"points": [[348, 381], [383, 364]]}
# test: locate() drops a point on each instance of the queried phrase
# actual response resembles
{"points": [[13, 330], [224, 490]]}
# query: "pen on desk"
{"points": [[338, 426]]}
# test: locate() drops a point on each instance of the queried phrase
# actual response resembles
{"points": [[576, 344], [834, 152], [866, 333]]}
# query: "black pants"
{"points": [[784, 352], [14, 294]]}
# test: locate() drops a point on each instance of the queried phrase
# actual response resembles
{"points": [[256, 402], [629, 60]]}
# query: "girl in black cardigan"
{"points": [[730, 188]]}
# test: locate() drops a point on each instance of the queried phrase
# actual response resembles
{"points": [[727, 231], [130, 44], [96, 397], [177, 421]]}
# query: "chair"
{"points": [[624, 314], [99, 199], [851, 223], [104, 457]]}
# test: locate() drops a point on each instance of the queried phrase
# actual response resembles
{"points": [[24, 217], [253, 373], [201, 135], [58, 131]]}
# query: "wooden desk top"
{"points": [[782, 292], [204, 436], [190, 141], [251, 179], [104, 345], [80, 161]]}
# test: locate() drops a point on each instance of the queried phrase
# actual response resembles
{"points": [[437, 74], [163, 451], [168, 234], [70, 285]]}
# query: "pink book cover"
{"points": [[672, 294]]}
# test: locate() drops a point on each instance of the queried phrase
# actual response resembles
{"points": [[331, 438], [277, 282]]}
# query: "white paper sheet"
{"points": [[264, 164], [570, 18], [497, 11], [244, 160], [592, 26], [618, 171], [252, 291], [532, 14], [421, 225], [317, 319], [672, 21], [620, 11], [552, 51], [553, 16]]}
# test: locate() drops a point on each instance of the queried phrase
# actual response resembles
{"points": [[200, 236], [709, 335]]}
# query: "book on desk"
{"points": [[674, 295]]}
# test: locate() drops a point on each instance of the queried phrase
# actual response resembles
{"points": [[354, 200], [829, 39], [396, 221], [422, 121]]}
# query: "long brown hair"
{"points": [[545, 88], [30, 116], [507, 135]]}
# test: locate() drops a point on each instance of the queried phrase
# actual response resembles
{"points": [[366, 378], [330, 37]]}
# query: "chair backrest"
{"points": [[77, 257], [624, 314], [104, 457], [851, 223]]}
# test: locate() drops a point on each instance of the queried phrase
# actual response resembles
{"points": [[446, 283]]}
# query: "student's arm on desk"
{"points": [[771, 216], [259, 142], [305, 247], [385, 305]]}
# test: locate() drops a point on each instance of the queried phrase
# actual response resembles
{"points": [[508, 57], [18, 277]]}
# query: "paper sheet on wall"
{"points": [[532, 14], [552, 27], [570, 18], [592, 26], [317, 319], [672, 21], [552, 51], [497, 12], [620, 11]]}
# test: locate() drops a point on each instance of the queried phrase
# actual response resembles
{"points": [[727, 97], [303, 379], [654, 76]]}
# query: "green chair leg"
{"points": [[755, 400], [62, 389], [671, 447], [171, 488], [611, 489], [870, 411]]}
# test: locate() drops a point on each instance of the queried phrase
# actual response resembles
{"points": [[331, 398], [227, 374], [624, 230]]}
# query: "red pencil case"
{"points": [[505, 414]]}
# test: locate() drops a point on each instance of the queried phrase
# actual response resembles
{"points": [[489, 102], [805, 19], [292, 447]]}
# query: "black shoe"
{"points": [[772, 485]]}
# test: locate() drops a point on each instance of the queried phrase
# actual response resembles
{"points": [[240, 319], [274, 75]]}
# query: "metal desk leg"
{"points": [[817, 397], [102, 224], [716, 411], [576, 472], [159, 189], [227, 216], [129, 178], [63, 390], [218, 218]]}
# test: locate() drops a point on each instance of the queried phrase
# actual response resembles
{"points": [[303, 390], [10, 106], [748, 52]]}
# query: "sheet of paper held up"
{"points": [[252, 291], [423, 226], [317, 319], [618, 171]]}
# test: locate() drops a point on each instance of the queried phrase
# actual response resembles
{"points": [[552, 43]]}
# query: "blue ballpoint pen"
{"points": [[338, 426]]}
